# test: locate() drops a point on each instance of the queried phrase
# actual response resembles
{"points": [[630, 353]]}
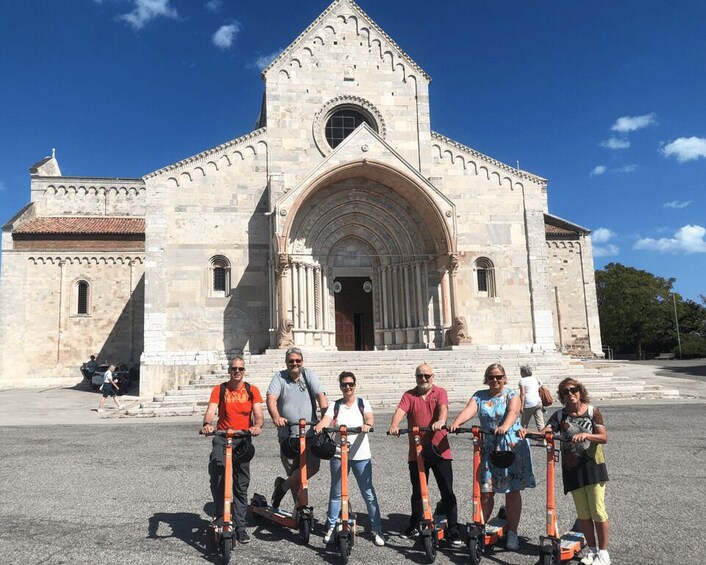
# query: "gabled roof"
{"points": [[361, 14], [554, 225], [83, 225]]}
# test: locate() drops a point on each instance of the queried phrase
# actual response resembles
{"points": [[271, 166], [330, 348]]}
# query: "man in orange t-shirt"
{"points": [[241, 409]]}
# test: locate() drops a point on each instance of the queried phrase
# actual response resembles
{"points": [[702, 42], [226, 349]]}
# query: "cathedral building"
{"points": [[342, 222]]}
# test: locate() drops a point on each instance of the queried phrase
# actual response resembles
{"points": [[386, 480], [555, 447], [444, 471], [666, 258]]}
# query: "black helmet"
{"points": [[323, 446], [244, 450], [502, 457], [431, 454], [289, 447]]}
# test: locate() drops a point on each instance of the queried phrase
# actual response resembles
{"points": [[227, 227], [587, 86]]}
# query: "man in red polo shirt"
{"points": [[427, 405], [239, 408]]}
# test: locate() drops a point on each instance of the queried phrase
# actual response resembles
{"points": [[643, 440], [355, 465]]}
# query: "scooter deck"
{"points": [[570, 544], [495, 527]]}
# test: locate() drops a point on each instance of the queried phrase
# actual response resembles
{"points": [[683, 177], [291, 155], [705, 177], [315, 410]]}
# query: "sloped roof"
{"points": [[83, 225], [554, 225]]}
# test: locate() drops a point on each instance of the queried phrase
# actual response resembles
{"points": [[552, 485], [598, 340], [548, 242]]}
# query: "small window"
{"points": [[219, 276], [342, 123], [485, 277], [82, 298]]}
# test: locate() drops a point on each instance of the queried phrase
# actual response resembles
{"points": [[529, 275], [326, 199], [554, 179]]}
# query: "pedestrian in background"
{"points": [[529, 398]]}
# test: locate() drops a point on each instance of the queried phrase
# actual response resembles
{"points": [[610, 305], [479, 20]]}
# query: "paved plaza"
{"points": [[77, 488]]}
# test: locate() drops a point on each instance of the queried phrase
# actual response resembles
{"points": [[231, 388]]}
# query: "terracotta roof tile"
{"points": [[83, 225]]}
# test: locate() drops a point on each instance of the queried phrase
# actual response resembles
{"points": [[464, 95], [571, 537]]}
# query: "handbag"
{"points": [[502, 456], [545, 396]]}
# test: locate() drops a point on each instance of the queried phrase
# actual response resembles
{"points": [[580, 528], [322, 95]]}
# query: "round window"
{"points": [[342, 123]]}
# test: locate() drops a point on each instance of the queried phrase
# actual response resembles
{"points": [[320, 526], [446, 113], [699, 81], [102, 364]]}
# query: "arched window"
{"points": [[485, 277], [82, 296], [219, 276], [343, 122]]}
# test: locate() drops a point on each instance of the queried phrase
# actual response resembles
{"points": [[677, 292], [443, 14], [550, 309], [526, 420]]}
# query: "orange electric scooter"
{"points": [[224, 533], [555, 548], [432, 528], [302, 518], [345, 528], [481, 534]]}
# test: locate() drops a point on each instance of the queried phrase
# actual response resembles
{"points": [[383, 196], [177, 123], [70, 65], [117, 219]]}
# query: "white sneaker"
{"points": [[378, 539], [602, 558], [100, 410], [588, 559], [512, 542], [328, 536]]}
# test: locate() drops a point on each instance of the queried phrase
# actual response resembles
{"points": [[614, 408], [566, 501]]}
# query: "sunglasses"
{"points": [[424, 376], [295, 361], [347, 385], [237, 369], [571, 389], [496, 377]]}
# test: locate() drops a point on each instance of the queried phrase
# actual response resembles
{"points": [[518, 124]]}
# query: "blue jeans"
{"points": [[363, 472]]}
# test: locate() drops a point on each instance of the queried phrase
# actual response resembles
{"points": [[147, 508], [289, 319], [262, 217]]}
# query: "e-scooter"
{"points": [[302, 518], [432, 528], [555, 548], [345, 528], [224, 533], [481, 534]]}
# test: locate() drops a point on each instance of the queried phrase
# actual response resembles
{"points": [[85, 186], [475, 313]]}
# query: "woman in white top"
{"points": [[352, 412], [529, 398]]}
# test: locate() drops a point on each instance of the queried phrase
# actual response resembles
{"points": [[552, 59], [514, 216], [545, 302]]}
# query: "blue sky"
{"points": [[606, 99]]}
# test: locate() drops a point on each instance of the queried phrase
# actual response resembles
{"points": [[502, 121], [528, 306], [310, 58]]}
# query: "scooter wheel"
{"points": [[475, 549], [548, 556], [304, 530], [430, 547], [226, 549], [344, 548]]}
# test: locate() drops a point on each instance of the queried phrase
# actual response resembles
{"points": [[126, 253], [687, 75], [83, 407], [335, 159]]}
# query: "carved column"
{"points": [[309, 296], [283, 287], [453, 287], [419, 287], [324, 298], [445, 309], [384, 294], [407, 296]]}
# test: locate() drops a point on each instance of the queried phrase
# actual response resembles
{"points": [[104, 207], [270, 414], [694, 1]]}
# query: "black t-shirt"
{"points": [[582, 464]]}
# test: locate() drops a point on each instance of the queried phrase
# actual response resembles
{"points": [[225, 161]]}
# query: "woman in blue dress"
{"points": [[498, 409]]}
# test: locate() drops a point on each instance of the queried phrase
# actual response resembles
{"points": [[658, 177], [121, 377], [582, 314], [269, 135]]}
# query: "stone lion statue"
{"points": [[458, 332], [285, 335]]}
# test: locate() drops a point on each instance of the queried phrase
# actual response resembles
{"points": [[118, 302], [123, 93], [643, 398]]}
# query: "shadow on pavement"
{"points": [[187, 527]]}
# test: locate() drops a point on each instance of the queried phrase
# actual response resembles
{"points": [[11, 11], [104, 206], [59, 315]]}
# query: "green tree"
{"points": [[634, 309]]}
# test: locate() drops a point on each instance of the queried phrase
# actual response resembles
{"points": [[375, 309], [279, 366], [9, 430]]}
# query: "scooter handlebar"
{"points": [[411, 430], [225, 433], [351, 430]]}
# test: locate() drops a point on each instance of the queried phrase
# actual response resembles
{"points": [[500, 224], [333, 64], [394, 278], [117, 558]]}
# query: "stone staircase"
{"points": [[384, 375]]}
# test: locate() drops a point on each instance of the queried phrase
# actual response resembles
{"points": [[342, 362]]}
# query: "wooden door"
{"points": [[354, 314]]}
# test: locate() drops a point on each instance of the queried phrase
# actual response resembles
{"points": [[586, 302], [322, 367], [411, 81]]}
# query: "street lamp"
{"points": [[676, 321]]}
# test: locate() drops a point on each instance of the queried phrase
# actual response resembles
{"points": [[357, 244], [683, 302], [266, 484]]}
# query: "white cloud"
{"points": [[615, 143], [601, 235], [608, 250], [687, 239], [676, 204], [632, 123], [146, 10], [264, 60], [225, 36], [601, 248], [2, 186], [626, 169], [686, 149], [214, 5], [598, 170]]}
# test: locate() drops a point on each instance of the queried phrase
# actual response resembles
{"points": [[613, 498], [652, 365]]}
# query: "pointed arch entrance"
{"points": [[365, 262]]}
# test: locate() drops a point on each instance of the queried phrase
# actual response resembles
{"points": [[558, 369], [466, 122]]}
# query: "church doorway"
{"points": [[354, 313]]}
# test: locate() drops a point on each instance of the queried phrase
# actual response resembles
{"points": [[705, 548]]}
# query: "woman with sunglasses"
{"points": [[352, 412], [498, 409], [583, 466]]}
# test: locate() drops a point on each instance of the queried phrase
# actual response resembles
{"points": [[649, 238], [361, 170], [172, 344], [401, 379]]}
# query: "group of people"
{"points": [[296, 392]]}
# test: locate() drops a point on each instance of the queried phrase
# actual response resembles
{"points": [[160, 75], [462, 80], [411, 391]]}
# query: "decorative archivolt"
{"points": [[85, 260], [224, 155], [563, 244], [330, 29], [478, 163]]}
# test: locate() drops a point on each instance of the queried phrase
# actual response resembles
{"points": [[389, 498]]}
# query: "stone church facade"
{"points": [[342, 222]]}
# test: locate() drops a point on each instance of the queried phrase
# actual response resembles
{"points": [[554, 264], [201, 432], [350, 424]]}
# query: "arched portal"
{"points": [[366, 265]]}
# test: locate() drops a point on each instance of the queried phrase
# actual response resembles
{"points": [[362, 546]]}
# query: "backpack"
{"points": [[337, 407]]}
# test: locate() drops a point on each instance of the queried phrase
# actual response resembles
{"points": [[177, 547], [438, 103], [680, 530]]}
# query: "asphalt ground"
{"points": [[107, 490]]}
